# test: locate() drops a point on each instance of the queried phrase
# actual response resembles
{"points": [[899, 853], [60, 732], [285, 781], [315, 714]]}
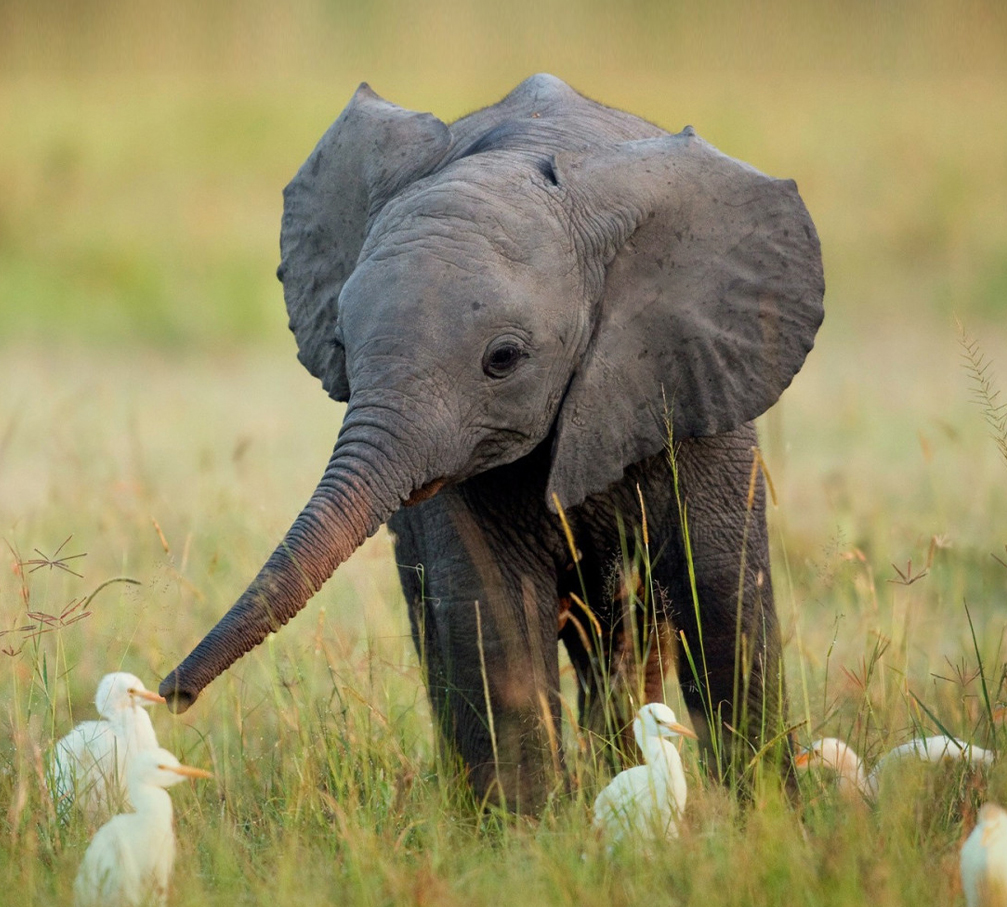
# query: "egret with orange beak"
{"points": [[130, 858], [647, 801], [90, 764]]}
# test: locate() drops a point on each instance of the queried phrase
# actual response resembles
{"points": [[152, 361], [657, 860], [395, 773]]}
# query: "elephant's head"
{"points": [[546, 267]]}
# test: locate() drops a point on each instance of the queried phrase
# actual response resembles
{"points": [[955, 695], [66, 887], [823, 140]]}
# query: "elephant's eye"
{"points": [[502, 356]]}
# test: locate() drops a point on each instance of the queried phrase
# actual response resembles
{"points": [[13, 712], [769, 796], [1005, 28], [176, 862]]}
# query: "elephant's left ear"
{"points": [[710, 300]]}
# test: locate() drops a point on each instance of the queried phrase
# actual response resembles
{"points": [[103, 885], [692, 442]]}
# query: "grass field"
{"points": [[153, 412], [326, 782]]}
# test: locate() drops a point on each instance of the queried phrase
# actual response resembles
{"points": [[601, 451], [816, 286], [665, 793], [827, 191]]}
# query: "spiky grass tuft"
{"points": [[985, 393]]}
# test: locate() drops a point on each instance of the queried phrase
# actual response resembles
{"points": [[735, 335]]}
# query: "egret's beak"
{"points": [[187, 771], [679, 729], [803, 759], [148, 695]]}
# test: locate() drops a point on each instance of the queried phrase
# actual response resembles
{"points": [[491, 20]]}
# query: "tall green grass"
{"points": [[327, 784]]}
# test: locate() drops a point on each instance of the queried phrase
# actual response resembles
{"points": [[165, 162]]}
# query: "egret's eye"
{"points": [[502, 356]]}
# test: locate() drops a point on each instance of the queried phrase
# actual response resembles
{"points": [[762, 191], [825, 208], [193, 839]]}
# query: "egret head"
{"points": [[834, 755], [160, 768], [122, 691], [657, 720]]}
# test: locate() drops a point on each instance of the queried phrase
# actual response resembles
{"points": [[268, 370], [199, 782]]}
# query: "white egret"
{"points": [[937, 748], [89, 764], [838, 756], [646, 801], [984, 860], [835, 755], [130, 858]]}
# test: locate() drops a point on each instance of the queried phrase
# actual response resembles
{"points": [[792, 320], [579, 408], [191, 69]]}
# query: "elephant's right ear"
{"points": [[373, 151]]}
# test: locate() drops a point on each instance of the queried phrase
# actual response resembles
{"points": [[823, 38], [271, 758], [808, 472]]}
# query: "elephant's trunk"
{"points": [[353, 498]]}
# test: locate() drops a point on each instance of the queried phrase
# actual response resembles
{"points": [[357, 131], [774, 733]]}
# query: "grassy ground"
{"points": [[153, 418], [326, 784]]}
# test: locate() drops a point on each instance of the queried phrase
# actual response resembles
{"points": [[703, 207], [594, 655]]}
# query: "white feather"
{"points": [[984, 860]]}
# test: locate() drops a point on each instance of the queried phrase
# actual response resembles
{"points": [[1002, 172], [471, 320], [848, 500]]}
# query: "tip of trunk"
{"points": [[348, 505], [178, 699]]}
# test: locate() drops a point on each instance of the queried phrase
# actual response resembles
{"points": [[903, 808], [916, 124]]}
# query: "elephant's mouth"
{"points": [[425, 493]]}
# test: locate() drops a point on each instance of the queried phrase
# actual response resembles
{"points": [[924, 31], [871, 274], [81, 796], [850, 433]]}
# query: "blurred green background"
{"points": [[143, 147], [146, 369]]}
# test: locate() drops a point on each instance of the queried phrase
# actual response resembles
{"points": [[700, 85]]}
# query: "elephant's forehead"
{"points": [[473, 208], [486, 256], [447, 302], [429, 281]]}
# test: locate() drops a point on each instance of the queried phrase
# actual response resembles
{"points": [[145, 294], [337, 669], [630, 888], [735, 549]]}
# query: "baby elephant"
{"points": [[528, 311]]}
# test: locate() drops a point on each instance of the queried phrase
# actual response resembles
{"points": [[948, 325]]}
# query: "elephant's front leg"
{"points": [[484, 616], [734, 683]]}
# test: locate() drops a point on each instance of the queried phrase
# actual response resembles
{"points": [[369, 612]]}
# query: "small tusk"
{"points": [[425, 493]]}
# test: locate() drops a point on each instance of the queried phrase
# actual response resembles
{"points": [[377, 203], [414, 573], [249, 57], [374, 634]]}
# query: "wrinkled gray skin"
{"points": [[516, 307]]}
